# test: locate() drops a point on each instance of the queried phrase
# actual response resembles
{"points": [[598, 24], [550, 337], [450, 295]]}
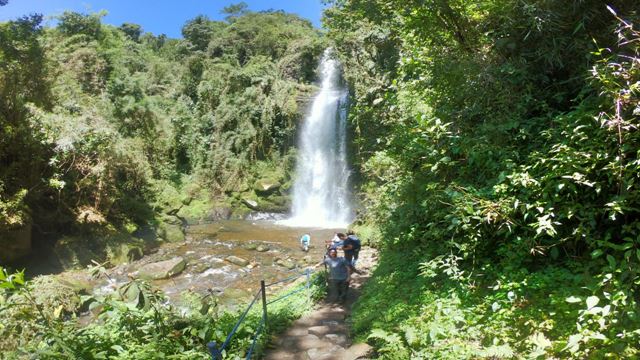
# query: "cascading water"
{"points": [[321, 189]]}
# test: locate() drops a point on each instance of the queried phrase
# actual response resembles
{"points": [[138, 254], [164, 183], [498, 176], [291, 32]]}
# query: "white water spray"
{"points": [[321, 188]]}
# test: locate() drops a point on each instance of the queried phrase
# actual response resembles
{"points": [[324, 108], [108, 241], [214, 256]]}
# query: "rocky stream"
{"points": [[226, 258]]}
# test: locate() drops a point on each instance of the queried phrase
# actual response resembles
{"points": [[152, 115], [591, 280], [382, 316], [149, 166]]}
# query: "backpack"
{"points": [[356, 242]]}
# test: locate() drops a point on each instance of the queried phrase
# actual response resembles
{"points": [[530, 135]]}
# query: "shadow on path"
{"points": [[323, 334]]}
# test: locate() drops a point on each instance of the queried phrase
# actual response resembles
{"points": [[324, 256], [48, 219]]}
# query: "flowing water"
{"points": [[207, 248], [321, 189]]}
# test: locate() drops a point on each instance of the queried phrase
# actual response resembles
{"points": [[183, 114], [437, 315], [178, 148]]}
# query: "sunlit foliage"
{"points": [[506, 160]]}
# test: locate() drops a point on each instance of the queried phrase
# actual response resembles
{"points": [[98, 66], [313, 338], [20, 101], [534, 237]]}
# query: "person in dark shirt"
{"points": [[351, 246], [338, 277]]}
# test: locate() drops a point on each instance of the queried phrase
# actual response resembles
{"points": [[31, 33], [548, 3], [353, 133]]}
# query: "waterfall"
{"points": [[321, 188]]}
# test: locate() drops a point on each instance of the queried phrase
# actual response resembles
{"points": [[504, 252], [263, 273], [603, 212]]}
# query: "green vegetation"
{"points": [[40, 319], [111, 130], [499, 148], [496, 143]]}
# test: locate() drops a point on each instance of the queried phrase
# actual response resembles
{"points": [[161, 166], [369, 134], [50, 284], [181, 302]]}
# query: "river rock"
{"points": [[286, 263], [237, 260], [200, 267], [162, 269], [72, 252], [171, 219], [251, 204], [266, 186], [171, 232], [124, 253], [262, 248], [219, 213], [251, 246]]}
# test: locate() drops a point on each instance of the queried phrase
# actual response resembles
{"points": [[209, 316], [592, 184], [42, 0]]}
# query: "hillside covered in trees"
{"points": [[110, 134], [499, 142]]}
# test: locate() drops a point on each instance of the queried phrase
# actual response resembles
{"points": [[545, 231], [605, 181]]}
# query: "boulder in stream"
{"points": [[237, 260], [162, 269], [262, 248], [286, 263], [200, 267], [251, 204]]}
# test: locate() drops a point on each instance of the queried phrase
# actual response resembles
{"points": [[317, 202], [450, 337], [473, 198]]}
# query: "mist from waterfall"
{"points": [[321, 196]]}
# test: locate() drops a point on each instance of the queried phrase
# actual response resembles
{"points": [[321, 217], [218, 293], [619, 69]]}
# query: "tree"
{"points": [[22, 81], [133, 31], [235, 10], [72, 23], [21, 67], [198, 32]]}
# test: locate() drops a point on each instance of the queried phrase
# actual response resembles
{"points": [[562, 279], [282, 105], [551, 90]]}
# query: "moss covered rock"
{"points": [[275, 203], [124, 253], [74, 252], [251, 204], [264, 187], [171, 232]]}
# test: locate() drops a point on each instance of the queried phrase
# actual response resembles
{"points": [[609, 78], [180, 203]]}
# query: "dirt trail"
{"points": [[323, 334]]}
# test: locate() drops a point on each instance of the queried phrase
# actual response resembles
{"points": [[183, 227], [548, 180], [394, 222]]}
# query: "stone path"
{"points": [[323, 334]]}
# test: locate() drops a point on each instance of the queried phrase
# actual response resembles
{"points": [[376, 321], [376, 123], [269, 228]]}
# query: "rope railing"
{"points": [[216, 353]]}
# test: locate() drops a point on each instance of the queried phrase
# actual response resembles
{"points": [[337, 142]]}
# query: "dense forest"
{"points": [[110, 134], [495, 143], [499, 146]]}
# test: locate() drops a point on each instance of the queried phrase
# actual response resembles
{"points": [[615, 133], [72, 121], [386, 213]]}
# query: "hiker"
{"points": [[336, 242], [339, 276], [351, 246], [304, 242]]}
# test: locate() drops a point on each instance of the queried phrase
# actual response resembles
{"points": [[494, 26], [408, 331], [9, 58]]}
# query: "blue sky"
{"points": [[156, 16]]}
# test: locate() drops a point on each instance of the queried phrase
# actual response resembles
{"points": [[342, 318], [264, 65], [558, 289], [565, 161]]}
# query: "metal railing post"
{"points": [[308, 273], [213, 350], [264, 302], [216, 352]]}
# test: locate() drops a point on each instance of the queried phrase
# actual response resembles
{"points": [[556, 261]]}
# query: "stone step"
{"points": [[333, 352], [358, 351], [338, 339]]}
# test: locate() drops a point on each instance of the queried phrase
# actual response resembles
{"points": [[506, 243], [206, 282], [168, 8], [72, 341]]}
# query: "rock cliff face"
{"points": [[15, 243]]}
